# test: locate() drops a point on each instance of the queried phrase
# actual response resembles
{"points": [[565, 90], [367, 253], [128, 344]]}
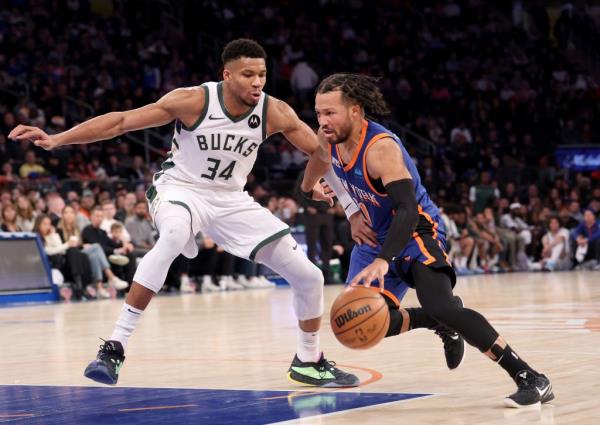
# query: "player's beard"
{"points": [[341, 136]]}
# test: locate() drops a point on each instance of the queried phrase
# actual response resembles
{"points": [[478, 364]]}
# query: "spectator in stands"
{"points": [[31, 169], [484, 194], [555, 253], [114, 251], [68, 229], [25, 214], [7, 176], [87, 203], [138, 171], [56, 205], [587, 237], [109, 210], [303, 81], [513, 221], [141, 230], [64, 256], [9, 219]]}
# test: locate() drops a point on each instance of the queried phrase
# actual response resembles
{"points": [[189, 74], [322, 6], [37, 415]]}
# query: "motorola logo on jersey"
{"points": [[253, 121], [336, 162]]}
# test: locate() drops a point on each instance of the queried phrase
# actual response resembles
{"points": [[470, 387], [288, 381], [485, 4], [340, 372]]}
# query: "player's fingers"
{"points": [[360, 277], [371, 241], [16, 131], [28, 134], [368, 279], [381, 282]]}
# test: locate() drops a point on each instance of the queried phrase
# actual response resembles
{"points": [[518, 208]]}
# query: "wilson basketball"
{"points": [[359, 317]]}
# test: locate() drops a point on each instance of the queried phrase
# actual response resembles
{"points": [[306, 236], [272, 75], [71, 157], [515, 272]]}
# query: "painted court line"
{"points": [[138, 409]]}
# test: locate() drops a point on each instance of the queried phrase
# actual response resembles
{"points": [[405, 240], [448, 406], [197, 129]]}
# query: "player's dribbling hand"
{"points": [[374, 271], [361, 230], [35, 135]]}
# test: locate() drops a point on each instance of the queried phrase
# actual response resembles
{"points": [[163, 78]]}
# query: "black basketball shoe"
{"points": [[454, 344], [533, 390], [320, 374], [105, 369]]}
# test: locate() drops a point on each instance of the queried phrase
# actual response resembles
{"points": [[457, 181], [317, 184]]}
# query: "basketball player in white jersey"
{"points": [[218, 129]]}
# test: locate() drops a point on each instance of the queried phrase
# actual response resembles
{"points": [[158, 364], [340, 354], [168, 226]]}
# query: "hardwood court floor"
{"points": [[246, 340]]}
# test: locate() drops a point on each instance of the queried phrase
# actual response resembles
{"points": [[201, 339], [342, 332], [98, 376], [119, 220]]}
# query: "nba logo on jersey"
{"points": [[253, 121]]}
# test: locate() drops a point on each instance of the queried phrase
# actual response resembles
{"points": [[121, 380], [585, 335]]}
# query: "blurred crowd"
{"points": [[483, 92]]}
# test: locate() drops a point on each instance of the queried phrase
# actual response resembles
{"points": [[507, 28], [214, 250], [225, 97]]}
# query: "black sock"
{"points": [[420, 319], [510, 361]]}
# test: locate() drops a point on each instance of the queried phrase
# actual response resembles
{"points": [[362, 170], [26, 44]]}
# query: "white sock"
{"points": [[308, 346], [126, 323]]}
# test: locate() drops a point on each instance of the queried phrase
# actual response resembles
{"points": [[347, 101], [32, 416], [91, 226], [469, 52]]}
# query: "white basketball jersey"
{"points": [[219, 150]]}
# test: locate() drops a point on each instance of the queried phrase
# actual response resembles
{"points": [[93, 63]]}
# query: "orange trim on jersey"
{"points": [[435, 232], [363, 133], [364, 161], [365, 212], [430, 259], [434, 224]]}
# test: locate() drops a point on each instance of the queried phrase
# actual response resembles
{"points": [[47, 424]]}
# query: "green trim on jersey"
{"points": [[184, 205], [202, 114], [264, 116], [267, 241], [151, 194], [224, 109]]}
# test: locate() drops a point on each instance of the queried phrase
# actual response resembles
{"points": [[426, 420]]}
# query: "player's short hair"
{"points": [[242, 47], [357, 88]]}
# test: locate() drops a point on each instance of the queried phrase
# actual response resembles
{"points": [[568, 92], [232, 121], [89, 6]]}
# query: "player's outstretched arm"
{"points": [[179, 103]]}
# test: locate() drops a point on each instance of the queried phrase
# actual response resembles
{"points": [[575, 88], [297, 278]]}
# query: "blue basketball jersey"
{"points": [[376, 205]]}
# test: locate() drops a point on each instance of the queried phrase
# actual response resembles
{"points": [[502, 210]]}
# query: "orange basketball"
{"points": [[360, 317]]}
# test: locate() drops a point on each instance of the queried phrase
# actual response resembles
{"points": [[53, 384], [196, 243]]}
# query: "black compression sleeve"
{"points": [[402, 194]]}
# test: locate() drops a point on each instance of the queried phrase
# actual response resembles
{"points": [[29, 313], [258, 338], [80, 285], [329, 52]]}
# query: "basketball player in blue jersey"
{"points": [[409, 249], [218, 129]]}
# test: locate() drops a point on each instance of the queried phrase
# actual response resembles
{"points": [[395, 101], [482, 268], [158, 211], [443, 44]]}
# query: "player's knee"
{"points": [[315, 277]]}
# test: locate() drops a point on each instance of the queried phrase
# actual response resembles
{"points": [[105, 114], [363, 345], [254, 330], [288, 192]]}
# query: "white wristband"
{"points": [[344, 198]]}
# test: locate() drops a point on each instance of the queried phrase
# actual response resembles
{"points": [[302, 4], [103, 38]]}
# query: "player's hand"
{"points": [[361, 230], [374, 271], [35, 135], [319, 194]]}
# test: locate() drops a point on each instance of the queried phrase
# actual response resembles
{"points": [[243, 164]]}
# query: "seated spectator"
{"points": [[9, 219], [587, 238], [64, 256], [490, 243], [7, 176], [25, 214], [31, 169], [110, 210], [68, 229], [513, 221], [56, 205], [141, 230], [483, 194], [112, 250], [555, 253]]}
